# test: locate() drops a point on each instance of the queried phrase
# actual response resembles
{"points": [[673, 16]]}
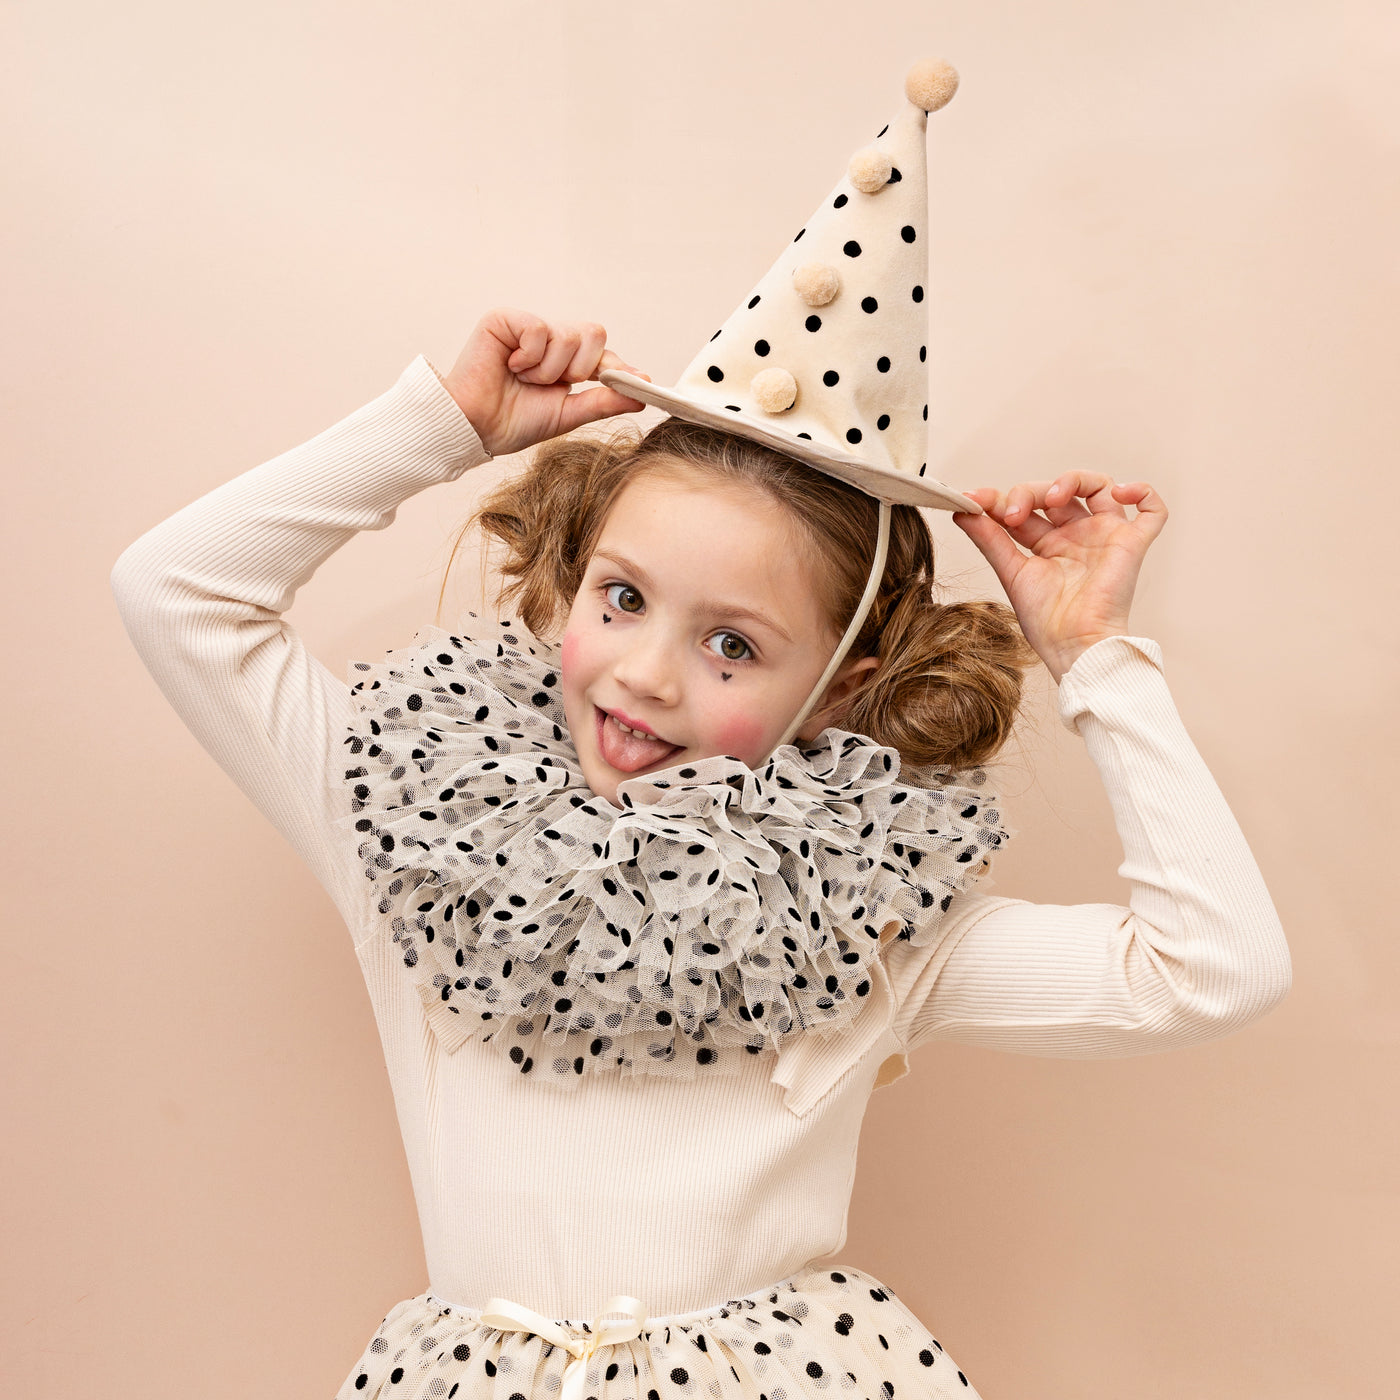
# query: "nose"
{"points": [[649, 666]]}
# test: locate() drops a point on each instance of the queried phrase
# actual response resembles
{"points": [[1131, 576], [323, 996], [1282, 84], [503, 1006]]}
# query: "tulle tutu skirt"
{"points": [[823, 1331]]}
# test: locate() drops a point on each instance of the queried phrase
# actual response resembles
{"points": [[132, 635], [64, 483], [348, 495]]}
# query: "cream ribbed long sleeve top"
{"points": [[681, 1193]]}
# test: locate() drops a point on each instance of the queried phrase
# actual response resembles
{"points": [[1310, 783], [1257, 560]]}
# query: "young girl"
{"points": [[636, 964], [656, 879]]}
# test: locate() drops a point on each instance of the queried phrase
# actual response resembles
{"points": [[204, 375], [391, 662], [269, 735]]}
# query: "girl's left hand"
{"points": [[1076, 586]]}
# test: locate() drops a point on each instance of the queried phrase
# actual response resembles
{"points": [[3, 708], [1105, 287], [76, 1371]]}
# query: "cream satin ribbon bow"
{"points": [[514, 1317]]}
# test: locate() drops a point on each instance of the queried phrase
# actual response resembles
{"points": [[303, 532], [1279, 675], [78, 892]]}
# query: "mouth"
{"points": [[626, 749]]}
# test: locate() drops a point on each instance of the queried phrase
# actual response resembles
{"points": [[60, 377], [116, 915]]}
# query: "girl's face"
{"points": [[696, 622]]}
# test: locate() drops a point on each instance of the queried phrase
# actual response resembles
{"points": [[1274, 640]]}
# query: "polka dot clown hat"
{"points": [[826, 358]]}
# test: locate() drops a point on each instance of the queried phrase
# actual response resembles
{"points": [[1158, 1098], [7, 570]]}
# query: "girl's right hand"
{"points": [[512, 379]]}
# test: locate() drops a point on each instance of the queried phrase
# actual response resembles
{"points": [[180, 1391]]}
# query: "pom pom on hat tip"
{"points": [[774, 390], [930, 84]]}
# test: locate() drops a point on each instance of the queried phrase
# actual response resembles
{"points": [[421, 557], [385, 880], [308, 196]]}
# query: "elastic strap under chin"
{"points": [[872, 586]]}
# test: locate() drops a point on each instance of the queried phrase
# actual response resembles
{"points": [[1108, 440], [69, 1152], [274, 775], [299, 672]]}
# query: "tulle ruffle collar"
{"points": [[715, 914]]}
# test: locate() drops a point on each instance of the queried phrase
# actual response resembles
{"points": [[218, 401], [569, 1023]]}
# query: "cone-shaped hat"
{"points": [[826, 358]]}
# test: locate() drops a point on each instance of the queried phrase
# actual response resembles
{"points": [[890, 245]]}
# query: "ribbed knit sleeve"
{"points": [[1197, 953], [202, 597]]}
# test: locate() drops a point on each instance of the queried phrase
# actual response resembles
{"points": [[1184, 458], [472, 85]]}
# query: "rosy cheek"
{"points": [[568, 652], [740, 737]]}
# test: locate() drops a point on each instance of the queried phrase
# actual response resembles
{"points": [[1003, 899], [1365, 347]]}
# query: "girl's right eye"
{"points": [[626, 589]]}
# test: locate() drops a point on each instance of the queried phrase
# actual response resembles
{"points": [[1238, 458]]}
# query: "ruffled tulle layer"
{"points": [[714, 913], [823, 1331]]}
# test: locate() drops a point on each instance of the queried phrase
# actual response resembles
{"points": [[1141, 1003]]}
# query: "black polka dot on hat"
{"points": [[907, 233], [761, 347], [895, 176], [852, 434], [800, 232], [883, 422], [754, 302], [869, 304], [831, 378], [883, 364], [925, 413], [716, 333], [923, 353], [814, 323], [851, 249], [715, 373], [918, 293], [839, 202]]}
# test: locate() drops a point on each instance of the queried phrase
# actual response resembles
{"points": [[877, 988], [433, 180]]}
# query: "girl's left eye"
{"points": [[725, 637]]}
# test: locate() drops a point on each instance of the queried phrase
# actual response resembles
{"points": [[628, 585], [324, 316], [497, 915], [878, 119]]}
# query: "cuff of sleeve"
{"points": [[421, 384], [1103, 664]]}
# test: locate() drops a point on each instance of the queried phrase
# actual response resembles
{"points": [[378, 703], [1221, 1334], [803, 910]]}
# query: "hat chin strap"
{"points": [[872, 586]]}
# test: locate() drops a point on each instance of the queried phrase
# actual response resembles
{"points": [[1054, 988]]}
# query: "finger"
{"points": [[588, 405], [1016, 512], [592, 339], [1094, 487], [611, 360], [562, 346], [995, 543], [522, 333], [1151, 508]]}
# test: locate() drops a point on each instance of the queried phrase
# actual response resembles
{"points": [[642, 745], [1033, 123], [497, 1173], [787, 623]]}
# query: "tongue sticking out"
{"points": [[630, 752]]}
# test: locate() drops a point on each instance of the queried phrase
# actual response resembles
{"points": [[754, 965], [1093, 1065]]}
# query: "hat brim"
{"points": [[880, 482]]}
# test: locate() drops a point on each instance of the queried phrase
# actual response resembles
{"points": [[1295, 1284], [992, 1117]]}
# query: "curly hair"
{"points": [[950, 677]]}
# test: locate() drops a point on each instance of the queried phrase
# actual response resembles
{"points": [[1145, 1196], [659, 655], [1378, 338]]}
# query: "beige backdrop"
{"points": [[1164, 245]]}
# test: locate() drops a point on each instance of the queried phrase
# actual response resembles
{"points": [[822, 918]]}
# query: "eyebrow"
{"points": [[710, 611]]}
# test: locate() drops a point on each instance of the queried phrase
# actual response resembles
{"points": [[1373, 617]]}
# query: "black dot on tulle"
{"points": [[831, 378], [715, 373], [814, 323]]}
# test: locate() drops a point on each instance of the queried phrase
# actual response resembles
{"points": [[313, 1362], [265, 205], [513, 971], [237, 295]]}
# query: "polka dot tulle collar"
{"points": [[713, 915]]}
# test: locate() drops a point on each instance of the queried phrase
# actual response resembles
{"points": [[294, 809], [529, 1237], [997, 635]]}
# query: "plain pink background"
{"points": [[1163, 246]]}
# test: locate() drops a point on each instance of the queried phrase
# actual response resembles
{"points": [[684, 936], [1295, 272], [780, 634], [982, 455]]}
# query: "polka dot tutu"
{"points": [[821, 1332]]}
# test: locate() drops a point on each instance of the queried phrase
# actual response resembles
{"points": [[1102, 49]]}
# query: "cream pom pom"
{"points": [[869, 170], [774, 389], [931, 84], [816, 283]]}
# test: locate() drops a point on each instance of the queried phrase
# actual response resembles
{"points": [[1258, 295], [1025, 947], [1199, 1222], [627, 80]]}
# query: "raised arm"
{"points": [[1198, 951], [203, 593]]}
